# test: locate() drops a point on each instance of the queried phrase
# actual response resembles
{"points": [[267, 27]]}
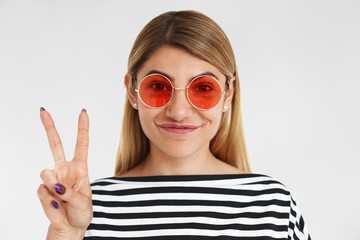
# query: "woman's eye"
{"points": [[159, 87], [203, 88]]}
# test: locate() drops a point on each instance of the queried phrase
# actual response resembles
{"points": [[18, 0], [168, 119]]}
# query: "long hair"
{"points": [[202, 37]]}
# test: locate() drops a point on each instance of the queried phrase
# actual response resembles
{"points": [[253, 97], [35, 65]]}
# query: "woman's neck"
{"points": [[199, 163]]}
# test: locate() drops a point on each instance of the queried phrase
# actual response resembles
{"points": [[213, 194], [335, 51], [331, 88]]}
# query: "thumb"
{"points": [[84, 187]]}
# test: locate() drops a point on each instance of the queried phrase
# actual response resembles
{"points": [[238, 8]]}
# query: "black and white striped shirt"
{"points": [[244, 206]]}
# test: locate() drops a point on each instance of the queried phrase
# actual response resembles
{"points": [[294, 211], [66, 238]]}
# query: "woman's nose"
{"points": [[179, 107]]}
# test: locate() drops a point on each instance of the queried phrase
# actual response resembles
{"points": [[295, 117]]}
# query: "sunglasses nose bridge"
{"points": [[179, 89]]}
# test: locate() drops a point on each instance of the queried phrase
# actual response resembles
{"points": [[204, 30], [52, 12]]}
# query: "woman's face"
{"points": [[178, 129]]}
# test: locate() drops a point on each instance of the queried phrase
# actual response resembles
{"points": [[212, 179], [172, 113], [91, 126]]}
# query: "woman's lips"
{"points": [[178, 129]]}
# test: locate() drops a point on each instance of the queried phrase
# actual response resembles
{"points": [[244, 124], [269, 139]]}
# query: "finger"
{"points": [[84, 187], [49, 178], [53, 209], [82, 142], [53, 137], [62, 191], [52, 183]]}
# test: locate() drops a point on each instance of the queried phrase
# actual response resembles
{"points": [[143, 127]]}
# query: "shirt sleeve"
{"points": [[297, 226]]}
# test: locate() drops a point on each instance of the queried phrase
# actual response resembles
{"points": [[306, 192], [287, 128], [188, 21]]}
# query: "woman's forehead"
{"points": [[176, 63]]}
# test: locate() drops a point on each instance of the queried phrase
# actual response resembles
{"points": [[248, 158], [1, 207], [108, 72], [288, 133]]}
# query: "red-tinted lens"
{"points": [[204, 92], [155, 90]]}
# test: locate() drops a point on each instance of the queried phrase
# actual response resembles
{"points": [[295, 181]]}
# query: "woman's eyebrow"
{"points": [[171, 79], [210, 74], [158, 72]]}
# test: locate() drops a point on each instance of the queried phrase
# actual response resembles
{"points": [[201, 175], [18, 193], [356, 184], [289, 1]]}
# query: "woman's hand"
{"points": [[66, 194]]}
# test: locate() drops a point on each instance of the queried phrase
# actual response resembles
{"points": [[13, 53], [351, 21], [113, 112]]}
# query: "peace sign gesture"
{"points": [[66, 194]]}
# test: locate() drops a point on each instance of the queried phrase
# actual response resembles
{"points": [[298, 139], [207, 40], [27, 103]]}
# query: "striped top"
{"points": [[243, 206]]}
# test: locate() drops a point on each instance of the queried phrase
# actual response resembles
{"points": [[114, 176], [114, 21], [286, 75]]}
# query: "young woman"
{"points": [[182, 169]]}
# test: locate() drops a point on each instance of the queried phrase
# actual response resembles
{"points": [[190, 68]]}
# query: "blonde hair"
{"points": [[201, 36]]}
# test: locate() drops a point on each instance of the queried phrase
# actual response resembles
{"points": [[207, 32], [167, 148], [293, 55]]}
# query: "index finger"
{"points": [[53, 137], [82, 141]]}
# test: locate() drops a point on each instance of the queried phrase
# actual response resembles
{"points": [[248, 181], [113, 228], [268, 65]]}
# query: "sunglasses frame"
{"points": [[186, 90]]}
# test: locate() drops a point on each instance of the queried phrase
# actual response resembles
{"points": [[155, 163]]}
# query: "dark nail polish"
{"points": [[83, 110], [64, 201], [59, 189], [55, 204], [42, 109]]}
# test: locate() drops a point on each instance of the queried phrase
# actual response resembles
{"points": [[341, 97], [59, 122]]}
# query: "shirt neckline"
{"points": [[201, 177]]}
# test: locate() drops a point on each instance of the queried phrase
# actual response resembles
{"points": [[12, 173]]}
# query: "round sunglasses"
{"points": [[203, 92]]}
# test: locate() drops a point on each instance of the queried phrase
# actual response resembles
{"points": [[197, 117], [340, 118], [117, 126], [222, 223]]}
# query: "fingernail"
{"points": [[55, 204], [83, 110], [60, 189], [42, 109]]}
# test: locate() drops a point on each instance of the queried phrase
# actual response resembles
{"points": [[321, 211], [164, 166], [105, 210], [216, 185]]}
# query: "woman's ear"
{"points": [[131, 94], [229, 94]]}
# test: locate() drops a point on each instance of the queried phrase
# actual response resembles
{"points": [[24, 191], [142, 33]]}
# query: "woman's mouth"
{"points": [[178, 128]]}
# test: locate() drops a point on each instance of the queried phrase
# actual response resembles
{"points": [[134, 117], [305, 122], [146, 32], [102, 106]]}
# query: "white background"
{"points": [[299, 70]]}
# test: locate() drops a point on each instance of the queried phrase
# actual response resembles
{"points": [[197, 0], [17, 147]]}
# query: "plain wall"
{"points": [[298, 63]]}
